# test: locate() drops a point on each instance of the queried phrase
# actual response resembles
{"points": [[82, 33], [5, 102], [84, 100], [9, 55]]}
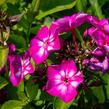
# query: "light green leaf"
{"points": [[31, 90], [13, 1], [21, 93], [59, 104], [12, 104], [3, 82], [35, 5], [81, 5], [3, 55], [96, 8], [2, 2], [55, 9]]}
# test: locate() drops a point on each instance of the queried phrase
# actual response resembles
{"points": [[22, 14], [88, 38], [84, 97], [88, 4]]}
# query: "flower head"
{"points": [[43, 43], [63, 80], [19, 67]]}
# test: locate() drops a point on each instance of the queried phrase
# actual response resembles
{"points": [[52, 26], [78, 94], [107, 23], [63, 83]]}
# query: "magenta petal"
{"points": [[93, 20], [27, 67], [43, 33], [105, 64], [106, 47], [104, 21], [99, 52], [38, 51], [78, 19], [61, 25], [16, 75], [53, 30], [70, 94], [53, 72], [85, 62], [94, 33], [53, 91], [106, 28], [38, 54], [55, 44], [12, 47], [69, 66], [36, 42]]}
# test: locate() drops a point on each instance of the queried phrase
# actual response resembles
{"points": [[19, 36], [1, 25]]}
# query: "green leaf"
{"points": [[21, 93], [96, 8], [34, 30], [81, 5], [57, 8], [11, 7], [12, 104], [80, 37], [3, 82], [106, 85], [2, 2], [13, 1], [31, 90], [19, 41], [29, 106], [46, 97], [99, 93], [32, 10], [3, 55], [59, 104], [35, 5]]}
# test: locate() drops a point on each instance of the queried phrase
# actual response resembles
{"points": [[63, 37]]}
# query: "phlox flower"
{"points": [[101, 38], [43, 43], [67, 23], [19, 68], [63, 80]]}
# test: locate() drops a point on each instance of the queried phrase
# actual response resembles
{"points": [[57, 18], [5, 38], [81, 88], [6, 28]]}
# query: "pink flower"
{"points": [[44, 42], [19, 68], [61, 25], [100, 37], [78, 19], [68, 23], [63, 80]]}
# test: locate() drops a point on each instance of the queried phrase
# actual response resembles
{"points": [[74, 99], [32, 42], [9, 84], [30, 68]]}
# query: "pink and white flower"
{"points": [[43, 43], [19, 68], [63, 80]]}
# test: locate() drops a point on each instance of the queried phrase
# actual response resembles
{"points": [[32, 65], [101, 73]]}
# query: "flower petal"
{"points": [[69, 66], [99, 52], [38, 54], [55, 44], [37, 51], [43, 34], [69, 95], [53, 72], [16, 75]]}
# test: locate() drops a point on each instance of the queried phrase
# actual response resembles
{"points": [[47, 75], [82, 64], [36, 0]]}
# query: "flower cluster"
{"points": [[64, 78]]}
